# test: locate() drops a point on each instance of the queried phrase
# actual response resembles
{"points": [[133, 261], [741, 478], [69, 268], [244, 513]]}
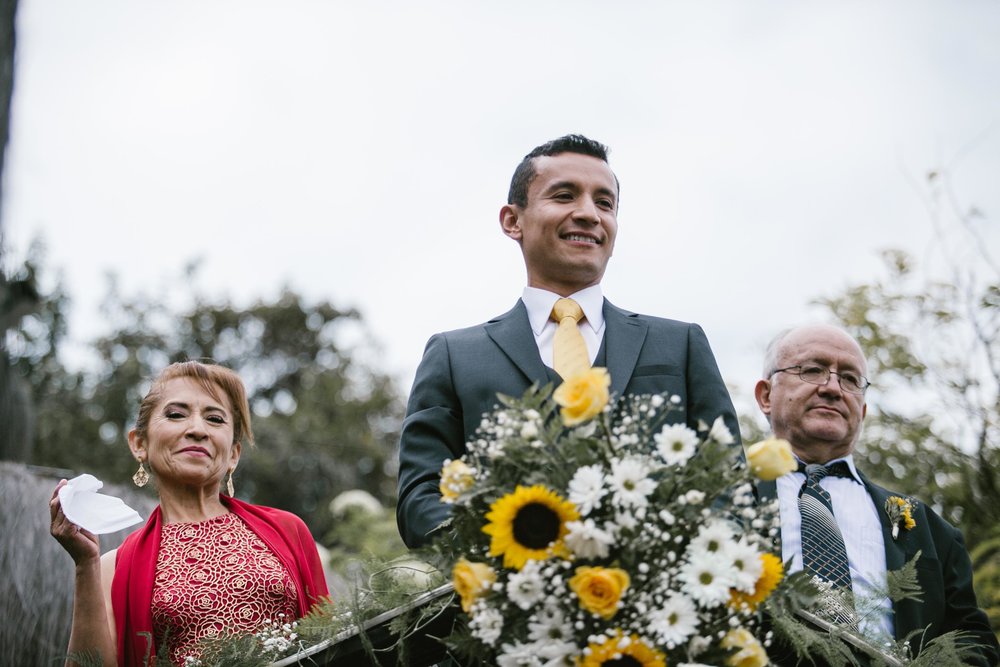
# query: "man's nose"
{"points": [[588, 212]]}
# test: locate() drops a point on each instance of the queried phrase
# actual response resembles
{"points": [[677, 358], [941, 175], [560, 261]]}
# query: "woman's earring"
{"points": [[229, 485], [141, 477]]}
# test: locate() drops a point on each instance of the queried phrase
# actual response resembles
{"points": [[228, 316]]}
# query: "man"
{"points": [[561, 210], [813, 395]]}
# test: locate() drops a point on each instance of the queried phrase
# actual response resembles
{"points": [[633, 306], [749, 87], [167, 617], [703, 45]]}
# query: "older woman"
{"points": [[204, 563]]}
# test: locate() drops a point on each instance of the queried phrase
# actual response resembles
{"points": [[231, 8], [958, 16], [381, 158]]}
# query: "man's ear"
{"points": [[762, 392], [510, 222]]}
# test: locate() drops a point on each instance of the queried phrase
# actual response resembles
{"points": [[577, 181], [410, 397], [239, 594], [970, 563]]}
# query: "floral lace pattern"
{"points": [[212, 576]]}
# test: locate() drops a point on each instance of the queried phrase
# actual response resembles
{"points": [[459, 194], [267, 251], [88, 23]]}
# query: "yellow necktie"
{"points": [[569, 351]]}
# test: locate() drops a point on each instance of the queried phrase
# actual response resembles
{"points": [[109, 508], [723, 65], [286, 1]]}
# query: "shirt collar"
{"points": [[539, 303]]}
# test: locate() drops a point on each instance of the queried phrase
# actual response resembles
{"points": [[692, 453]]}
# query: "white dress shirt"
{"points": [[539, 303], [858, 520]]}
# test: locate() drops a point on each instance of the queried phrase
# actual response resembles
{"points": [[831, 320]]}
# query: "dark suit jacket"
{"points": [[944, 572], [462, 371]]}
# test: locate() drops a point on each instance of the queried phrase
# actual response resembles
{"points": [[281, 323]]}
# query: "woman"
{"points": [[204, 563]]}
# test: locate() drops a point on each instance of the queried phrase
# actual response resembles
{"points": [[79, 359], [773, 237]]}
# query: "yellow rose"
{"points": [[456, 478], [599, 589], [749, 651], [471, 581], [771, 459], [583, 396]]}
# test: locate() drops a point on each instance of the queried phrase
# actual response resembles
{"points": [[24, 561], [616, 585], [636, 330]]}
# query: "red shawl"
{"points": [[135, 568]]}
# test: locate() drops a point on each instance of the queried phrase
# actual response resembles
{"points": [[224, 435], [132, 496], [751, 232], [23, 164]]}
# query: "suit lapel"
{"points": [[624, 334], [512, 333], [895, 556]]}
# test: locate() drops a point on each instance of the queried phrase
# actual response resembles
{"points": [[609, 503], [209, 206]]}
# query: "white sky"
{"points": [[360, 152]]}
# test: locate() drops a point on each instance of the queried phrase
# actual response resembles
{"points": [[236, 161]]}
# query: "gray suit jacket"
{"points": [[462, 372]]}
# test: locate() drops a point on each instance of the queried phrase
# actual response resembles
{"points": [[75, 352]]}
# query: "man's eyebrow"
{"points": [[560, 185]]}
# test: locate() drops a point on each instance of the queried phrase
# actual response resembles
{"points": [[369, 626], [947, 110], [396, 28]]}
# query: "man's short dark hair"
{"points": [[525, 172]]}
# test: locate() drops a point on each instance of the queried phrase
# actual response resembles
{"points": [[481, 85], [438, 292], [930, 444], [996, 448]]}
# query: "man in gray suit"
{"points": [[562, 210]]}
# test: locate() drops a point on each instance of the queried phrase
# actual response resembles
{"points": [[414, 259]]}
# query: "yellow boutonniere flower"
{"points": [[900, 511], [583, 396]]}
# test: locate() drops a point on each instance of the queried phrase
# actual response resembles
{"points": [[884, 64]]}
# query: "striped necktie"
{"points": [[823, 551], [569, 351]]}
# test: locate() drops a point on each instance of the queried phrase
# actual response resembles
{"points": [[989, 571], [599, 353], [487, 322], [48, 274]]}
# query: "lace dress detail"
{"points": [[212, 577]]}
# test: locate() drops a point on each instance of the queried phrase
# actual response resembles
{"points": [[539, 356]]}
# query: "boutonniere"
{"points": [[900, 511]]}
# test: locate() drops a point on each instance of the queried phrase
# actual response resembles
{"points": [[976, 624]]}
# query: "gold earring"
{"points": [[229, 485], [141, 477]]}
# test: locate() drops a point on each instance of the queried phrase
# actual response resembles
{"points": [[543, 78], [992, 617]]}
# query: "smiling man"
{"points": [[562, 210], [841, 527]]}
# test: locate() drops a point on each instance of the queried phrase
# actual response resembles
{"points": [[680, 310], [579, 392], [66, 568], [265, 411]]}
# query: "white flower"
{"points": [[355, 498], [630, 482], [526, 588], [747, 565], [676, 443], [529, 430], [587, 540], [707, 579], [518, 655], [694, 497], [720, 433], [675, 621], [486, 624], [587, 488], [713, 537]]}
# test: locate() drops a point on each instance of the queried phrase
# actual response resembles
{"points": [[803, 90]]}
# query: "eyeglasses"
{"points": [[850, 382]]}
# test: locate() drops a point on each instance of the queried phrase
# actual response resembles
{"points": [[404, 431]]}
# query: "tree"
{"points": [[325, 421], [931, 335]]}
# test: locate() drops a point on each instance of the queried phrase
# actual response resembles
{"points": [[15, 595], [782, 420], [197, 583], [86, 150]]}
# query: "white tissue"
{"points": [[93, 511]]}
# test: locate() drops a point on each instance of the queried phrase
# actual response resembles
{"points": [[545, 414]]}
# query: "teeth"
{"points": [[578, 237]]}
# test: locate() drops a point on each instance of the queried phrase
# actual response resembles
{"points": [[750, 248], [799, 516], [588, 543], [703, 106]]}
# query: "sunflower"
{"points": [[528, 524], [634, 653], [769, 579]]}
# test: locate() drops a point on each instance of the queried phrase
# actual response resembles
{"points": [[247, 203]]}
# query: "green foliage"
{"points": [[931, 334], [324, 420], [360, 531]]}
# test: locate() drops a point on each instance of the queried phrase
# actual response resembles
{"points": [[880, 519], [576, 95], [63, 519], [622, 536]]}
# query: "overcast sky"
{"points": [[360, 152]]}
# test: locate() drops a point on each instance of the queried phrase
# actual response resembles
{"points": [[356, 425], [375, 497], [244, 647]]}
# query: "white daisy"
{"points": [[747, 566], [707, 579], [526, 588], [519, 655], [676, 443], [713, 537], [720, 432], [630, 482], [587, 540], [587, 488], [549, 624], [675, 621], [486, 624]]}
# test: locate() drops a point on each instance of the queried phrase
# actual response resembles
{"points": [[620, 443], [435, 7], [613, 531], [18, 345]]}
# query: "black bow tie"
{"points": [[838, 469]]}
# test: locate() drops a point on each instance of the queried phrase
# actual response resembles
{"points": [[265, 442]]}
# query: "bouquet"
{"points": [[609, 534]]}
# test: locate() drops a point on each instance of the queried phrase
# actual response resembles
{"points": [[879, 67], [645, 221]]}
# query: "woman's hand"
{"points": [[81, 544]]}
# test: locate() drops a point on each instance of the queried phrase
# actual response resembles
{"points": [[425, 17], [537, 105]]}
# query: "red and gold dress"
{"points": [[216, 576]]}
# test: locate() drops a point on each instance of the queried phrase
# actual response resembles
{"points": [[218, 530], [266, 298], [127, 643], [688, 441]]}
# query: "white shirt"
{"points": [[859, 524], [539, 303]]}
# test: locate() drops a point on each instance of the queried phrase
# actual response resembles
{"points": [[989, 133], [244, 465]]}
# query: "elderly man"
{"points": [[562, 211], [813, 394]]}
